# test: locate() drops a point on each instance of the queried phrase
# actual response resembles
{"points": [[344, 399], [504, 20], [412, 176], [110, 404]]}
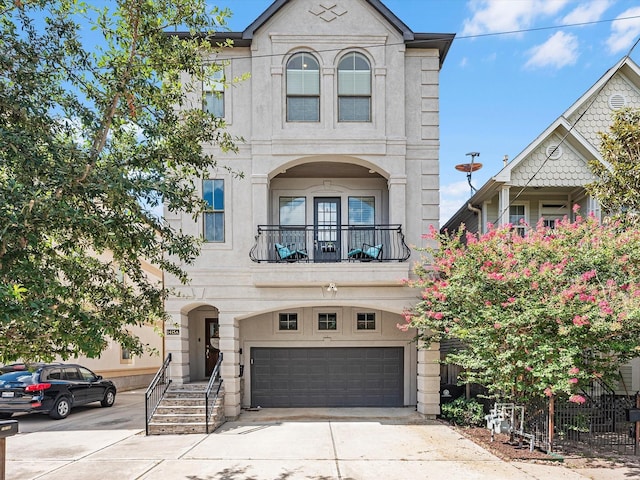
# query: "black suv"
{"points": [[52, 388]]}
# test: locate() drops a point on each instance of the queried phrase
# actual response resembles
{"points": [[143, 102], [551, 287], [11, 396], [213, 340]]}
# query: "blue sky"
{"points": [[499, 91]]}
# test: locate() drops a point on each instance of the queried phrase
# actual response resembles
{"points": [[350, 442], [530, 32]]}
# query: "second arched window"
{"points": [[354, 88], [303, 88]]}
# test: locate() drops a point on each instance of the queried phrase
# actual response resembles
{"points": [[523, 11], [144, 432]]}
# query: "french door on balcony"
{"points": [[326, 229]]}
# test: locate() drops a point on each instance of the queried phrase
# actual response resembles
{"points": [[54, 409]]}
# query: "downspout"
{"points": [[478, 212]]}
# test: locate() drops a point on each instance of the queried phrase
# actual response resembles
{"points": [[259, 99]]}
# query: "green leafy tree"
{"points": [[618, 184], [92, 143], [538, 315]]}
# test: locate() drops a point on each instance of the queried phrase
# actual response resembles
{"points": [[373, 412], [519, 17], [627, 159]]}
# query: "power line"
{"points": [[466, 37]]}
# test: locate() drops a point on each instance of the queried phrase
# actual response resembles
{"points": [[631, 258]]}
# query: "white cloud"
{"points": [[624, 32], [587, 12], [452, 197], [492, 16], [464, 61], [560, 50]]}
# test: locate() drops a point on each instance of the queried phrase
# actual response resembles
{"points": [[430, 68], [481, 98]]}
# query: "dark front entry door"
{"points": [[212, 347], [326, 229]]}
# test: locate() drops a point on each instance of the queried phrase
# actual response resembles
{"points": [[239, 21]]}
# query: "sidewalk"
{"points": [[340, 444]]}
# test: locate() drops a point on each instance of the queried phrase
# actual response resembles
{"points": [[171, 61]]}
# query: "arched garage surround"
{"points": [[297, 357]]}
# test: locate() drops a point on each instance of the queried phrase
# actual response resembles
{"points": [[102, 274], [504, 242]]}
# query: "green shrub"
{"points": [[464, 412]]}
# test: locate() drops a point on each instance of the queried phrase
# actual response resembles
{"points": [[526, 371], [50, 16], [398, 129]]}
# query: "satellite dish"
{"points": [[469, 168]]}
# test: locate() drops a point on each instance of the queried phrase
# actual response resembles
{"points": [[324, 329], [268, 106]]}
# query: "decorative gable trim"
{"points": [[334, 9], [625, 65]]}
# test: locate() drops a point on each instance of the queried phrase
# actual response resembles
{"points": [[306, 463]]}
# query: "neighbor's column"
{"points": [[230, 371], [429, 380], [503, 205]]}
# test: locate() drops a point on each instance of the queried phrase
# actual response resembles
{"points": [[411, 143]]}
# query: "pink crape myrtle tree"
{"points": [[538, 315]]}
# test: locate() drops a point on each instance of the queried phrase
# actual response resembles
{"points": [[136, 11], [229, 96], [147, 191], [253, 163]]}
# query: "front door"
{"points": [[326, 229], [212, 347]]}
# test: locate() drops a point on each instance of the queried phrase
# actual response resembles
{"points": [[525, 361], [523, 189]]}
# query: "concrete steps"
{"points": [[183, 411]]}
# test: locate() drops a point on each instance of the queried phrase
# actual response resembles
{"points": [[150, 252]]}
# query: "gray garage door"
{"points": [[327, 377]]}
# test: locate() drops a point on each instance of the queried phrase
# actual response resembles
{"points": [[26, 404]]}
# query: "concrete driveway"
{"points": [[340, 444]]}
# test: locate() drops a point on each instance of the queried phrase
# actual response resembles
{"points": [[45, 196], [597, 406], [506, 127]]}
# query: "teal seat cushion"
{"points": [[283, 251], [373, 251]]}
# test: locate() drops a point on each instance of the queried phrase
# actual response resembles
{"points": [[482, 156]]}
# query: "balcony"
{"points": [[329, 244]]}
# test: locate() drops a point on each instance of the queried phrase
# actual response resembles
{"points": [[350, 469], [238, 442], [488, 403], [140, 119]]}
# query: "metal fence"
{"points": [[599, 423]]}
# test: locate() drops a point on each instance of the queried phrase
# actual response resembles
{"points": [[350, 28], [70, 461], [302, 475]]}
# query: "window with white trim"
{"points": [[552, 212], [517, 218], [213, 195], [213, 94], [354, 88], [303, 88]]}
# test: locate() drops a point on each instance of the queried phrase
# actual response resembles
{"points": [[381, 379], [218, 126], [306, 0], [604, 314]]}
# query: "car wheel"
{"points": [[109, 398], [6, 415], [61, 409]]}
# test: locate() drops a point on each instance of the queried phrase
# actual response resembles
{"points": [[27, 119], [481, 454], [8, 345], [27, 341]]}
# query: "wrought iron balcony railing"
{"points": [[329, 244]]}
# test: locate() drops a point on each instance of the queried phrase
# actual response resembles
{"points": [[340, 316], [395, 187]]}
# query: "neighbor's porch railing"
{"points": [[310, 243]]}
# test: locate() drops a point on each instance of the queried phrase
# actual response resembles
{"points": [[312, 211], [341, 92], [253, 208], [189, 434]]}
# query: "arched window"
{"points": [[354, 88], [303, 88]]}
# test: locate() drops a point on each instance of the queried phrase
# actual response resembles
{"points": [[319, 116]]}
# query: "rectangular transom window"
{"points": [[213, 195], [366, 321], [288, 321], [327, 321]]}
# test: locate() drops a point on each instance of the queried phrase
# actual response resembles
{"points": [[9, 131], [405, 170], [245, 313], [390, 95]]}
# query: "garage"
{"points": [[327, 377]]}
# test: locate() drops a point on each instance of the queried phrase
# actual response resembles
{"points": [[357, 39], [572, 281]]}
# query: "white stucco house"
{"points": [[549, 176], [299, 279]]}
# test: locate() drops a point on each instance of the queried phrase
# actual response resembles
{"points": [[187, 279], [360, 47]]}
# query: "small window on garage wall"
{"points": [[288, 322], [327, 321], [366, 321]]}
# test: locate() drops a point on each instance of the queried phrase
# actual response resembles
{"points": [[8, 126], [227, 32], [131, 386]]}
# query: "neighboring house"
{"points": [[299, 279], [118, 364], [548, 178]]}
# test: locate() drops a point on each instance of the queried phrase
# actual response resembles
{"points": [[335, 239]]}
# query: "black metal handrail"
{"points": [[329, 244], [155, 392], [210, 397]]}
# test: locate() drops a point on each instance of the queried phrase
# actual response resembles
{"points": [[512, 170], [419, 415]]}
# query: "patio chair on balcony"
{"points": [[288, 253], [366, 253]]}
